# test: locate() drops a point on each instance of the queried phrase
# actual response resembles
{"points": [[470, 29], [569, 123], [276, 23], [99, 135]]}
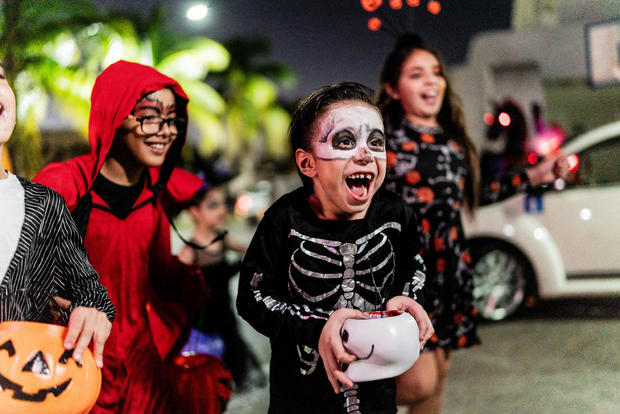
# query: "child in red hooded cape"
{"points": [[118, 193]]}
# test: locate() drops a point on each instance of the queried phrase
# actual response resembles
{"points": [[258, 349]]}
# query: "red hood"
{"points": [[117, 89]]}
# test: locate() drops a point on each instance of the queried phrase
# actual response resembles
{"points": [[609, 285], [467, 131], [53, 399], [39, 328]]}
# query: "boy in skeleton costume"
{"points": [[334, 249]]}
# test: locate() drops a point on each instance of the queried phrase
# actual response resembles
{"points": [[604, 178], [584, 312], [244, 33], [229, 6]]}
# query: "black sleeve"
{"points": [[411, 271], [263, 298], [75, 278], [504, 186]]}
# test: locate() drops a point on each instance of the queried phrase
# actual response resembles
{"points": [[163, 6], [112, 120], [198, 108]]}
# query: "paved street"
{"points": [[562, 357], [539, 366]]}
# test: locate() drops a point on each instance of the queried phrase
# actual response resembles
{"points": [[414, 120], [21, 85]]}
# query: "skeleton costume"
{"points": [[299, 269]]}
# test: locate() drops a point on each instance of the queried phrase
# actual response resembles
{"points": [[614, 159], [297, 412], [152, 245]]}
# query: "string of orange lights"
{"points": [[379, 23]]}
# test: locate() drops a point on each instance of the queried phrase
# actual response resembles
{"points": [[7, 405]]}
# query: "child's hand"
{"points": [[552, 167], [86, 324], [331, 350], [405, 303]]}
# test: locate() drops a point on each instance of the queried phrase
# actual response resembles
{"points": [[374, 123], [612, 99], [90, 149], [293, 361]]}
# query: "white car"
{"points": [[564, 242]]}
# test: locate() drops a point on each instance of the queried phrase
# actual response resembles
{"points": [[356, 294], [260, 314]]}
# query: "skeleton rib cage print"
{"points": [[300, 268], [355, 275]]}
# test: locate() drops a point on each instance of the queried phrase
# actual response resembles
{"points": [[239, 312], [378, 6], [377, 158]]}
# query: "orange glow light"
{"points": [[413, 3], [434, 7], [371, 5], [244, 203], [374, 24], [504, 119], [488, 118], [396, 4], [573, 162]]}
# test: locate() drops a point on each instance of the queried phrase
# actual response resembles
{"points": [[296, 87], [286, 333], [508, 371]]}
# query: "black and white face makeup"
{"points": [[348, 159], [350, 134]]}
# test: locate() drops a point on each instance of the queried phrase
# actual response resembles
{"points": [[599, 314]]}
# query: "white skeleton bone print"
{"points": [[356, 275], [299, 269]]}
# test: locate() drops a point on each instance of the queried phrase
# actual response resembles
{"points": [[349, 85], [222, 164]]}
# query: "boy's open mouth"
{"points": [[359, 184], [1, 109]]}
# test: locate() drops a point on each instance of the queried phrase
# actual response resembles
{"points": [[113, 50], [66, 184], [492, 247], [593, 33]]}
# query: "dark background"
{"points": [[325, 41]]}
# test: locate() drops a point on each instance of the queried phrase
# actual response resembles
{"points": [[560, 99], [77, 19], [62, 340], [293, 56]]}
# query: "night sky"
{"points": [[326, 41]]}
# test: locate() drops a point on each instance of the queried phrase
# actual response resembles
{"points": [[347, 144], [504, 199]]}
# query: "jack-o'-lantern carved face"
{"points": [[37, 375]]}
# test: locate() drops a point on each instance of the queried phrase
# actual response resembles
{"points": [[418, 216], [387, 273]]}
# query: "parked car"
{"points": [[560, 242]]}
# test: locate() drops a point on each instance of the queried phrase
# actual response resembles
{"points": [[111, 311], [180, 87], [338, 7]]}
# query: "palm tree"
{"points": [[25, 27], [189, 60], [52, 52], [256, 121]]}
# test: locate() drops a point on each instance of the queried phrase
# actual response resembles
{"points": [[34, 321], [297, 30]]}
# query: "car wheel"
{"points": [[501, 276]]}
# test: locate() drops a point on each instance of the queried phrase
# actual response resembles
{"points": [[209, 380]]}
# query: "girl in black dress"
{"points": [[209, 213], [432, 164]]}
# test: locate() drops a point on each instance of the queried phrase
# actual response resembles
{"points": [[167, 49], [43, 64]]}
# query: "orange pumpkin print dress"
{"points": [[428, 169]]}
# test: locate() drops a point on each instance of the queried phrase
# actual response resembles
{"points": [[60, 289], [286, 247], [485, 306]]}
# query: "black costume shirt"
{"points": [[120, 198], [428, 168], [299, 269]]}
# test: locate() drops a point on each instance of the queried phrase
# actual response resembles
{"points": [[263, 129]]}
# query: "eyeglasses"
{"points": [[153, 124]]}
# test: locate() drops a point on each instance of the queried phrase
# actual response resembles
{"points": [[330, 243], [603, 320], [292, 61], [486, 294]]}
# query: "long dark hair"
{"points": [[450, 117]]}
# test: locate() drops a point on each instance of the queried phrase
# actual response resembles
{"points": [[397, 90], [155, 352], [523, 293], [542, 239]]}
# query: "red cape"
{"points": [[153, 292]]}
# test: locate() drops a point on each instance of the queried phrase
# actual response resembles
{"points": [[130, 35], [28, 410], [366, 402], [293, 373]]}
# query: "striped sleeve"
{"points": [[74, 277]]}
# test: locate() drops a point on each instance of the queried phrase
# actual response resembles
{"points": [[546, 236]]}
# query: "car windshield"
{"points": [[600, 164]]}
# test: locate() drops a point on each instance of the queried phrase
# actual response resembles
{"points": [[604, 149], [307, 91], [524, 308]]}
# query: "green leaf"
{"points": [[212, 133], [202, 96], [202, 56], [260, 91], [275, 123]]}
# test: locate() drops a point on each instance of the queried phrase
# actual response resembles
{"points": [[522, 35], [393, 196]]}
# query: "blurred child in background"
{"points": [[434, 167], [209, 213]]}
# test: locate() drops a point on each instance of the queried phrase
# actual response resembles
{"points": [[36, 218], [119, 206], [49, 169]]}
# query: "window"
{"points": [[600, 164]]}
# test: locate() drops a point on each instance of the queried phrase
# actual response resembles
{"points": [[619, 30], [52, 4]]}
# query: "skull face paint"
{"points": [[350, 132], [348, 147]]}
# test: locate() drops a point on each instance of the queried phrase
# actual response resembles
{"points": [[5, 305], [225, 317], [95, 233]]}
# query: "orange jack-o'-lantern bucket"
{"points": [[37, 374]]}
